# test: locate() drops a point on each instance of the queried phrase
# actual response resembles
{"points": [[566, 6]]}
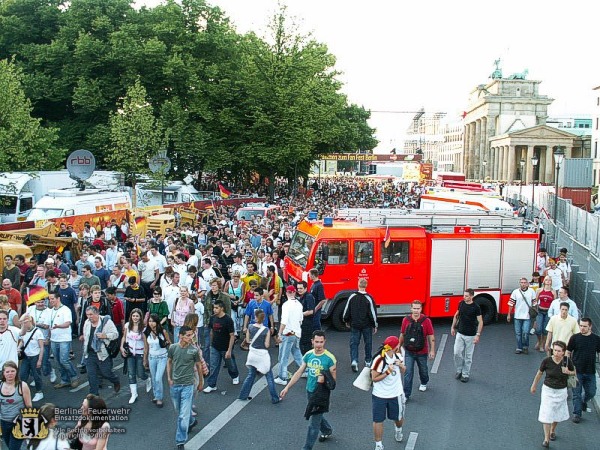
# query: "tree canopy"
{"points": [[215, 99]]}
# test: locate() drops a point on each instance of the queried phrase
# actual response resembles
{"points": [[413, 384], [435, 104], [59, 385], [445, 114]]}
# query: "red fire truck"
{"points": [[418, 255]]}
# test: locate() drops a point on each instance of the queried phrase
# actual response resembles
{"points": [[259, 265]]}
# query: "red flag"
{"points": [[387, 238], [225, 193], [464, 114]]}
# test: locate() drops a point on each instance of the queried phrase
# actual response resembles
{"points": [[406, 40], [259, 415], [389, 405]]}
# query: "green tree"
{"points": [[135, 135], [26, 144]]}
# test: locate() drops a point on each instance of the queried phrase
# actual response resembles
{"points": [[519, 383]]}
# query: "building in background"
{"points": [[595, 138], [450, 152], [424, 136]]}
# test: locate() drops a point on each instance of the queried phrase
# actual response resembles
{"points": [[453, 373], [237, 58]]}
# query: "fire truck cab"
{"points": [[414, 255]]}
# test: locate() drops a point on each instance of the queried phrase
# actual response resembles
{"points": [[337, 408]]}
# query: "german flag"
{"points": [[140, 221], [387, 238], [225, 193], [35, 294]]}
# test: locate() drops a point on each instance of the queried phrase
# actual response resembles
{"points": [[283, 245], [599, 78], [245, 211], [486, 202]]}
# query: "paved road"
{"points": [[493, 411]]}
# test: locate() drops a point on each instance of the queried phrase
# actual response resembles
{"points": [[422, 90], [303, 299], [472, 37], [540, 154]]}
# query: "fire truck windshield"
{"points": [[300, 248]]}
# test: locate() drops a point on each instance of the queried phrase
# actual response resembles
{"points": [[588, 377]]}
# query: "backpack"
{"points": [[113, 348], [414, 338]]}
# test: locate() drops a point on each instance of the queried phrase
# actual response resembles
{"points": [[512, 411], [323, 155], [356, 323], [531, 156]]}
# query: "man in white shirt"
{"points": [[149, 274], [239, 265], [556, 275], [9, 337], [60, 341], [41, 317], [171, 292], [180, 267], [290, 332], [563, 296], [161, 261], [112, 255], [208, 273], [521, 300]]}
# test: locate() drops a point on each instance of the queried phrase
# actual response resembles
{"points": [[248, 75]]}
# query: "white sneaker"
{"points": [[379, 447], [423, 387], [236, 380], [148, 385], [52, 376], [32, 384], [208, 389], [280, 381], [398, 434], [37, 397], [532, 331]]}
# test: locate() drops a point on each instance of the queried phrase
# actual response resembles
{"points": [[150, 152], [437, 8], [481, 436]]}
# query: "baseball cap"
{"points": [[49, 261], [392, 341], [290, 288]]}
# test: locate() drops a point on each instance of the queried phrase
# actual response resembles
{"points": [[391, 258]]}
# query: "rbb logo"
{"points": [[81, 164], [83, 161]]}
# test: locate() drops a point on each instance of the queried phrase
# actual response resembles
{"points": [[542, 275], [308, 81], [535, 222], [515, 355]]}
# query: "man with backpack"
{"points": [[98, 331], [360, 316], [418, 339]]}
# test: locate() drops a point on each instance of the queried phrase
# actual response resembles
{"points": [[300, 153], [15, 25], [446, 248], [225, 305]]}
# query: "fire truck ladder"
{"points": [[440, 221]]}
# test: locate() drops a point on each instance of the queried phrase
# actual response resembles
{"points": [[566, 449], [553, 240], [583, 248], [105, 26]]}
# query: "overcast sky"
{"points": [[403, 55]]}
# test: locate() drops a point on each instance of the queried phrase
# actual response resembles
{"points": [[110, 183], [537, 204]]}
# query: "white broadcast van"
{"points": [[19, 191], [74, 202]]}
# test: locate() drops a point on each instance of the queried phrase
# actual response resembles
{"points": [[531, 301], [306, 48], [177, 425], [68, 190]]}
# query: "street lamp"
{"points": [[559, 155], [484, 163], [522, 164], [534, 163]]}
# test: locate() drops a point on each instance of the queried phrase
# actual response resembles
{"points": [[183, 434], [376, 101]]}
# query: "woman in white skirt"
{"points": [[553, 406]]}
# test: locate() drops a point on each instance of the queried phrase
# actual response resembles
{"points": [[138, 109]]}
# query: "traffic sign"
{"points": [[160, 164]]}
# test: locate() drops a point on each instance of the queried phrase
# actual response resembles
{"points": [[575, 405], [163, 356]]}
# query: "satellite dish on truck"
{"points": [[81, 165]]}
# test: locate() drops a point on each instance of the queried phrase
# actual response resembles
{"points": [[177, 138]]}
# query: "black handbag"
{"points": [[21, 352]]}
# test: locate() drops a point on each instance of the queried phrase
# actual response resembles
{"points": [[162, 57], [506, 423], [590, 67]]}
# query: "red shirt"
{"points": [[118, 312], [14, 298], [427, 330]]}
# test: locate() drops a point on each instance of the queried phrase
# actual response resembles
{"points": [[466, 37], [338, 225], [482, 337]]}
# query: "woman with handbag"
{"points": [[545, 296], [14, 396], [92, 430], [156, 344], [259, 359], [134, 338], [553, 405]]}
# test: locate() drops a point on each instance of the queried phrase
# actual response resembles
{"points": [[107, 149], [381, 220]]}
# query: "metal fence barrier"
{"points": [[579, 232]]}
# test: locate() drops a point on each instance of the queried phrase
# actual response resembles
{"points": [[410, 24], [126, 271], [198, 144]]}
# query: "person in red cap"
{"points": [[290, 331], [388, 394]]}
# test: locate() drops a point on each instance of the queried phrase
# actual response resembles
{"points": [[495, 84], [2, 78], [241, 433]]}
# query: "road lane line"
{"points": [[209, 431], [412, 440], [439, 354], [87, 383]]}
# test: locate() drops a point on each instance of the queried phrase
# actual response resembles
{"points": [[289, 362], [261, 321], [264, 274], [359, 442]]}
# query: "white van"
{"points": [[73, 202]]}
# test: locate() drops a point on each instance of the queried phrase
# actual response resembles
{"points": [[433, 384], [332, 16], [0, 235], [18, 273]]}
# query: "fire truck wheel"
{"points": [[337, 316], [488, 308]]}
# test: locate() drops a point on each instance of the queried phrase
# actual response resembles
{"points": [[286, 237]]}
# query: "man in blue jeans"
{"points": [[418, 339], [521, 300], [182, 358], [222, 332], [360, 316], [60, 340], [583, 348], [316, 361], [291, 332]]}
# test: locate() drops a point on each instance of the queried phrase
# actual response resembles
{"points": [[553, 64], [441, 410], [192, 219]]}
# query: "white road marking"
{"points": [[209, 431], [412, 440], [439, 354], [87, 383]]}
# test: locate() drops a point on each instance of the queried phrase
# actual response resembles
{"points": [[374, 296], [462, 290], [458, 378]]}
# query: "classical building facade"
{"points": [[495, 111]]}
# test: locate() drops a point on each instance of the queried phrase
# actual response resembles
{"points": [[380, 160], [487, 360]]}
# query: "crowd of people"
{"points": [[180, 305]]}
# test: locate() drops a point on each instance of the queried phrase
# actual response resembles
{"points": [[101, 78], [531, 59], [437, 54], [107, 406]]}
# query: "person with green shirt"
{"points": [[182, 359], [317, 361]]}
